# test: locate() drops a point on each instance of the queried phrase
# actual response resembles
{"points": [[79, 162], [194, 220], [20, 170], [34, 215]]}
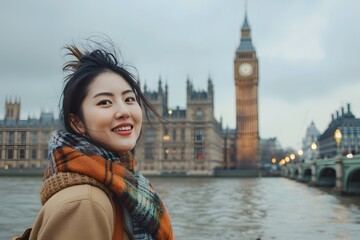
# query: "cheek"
{"points": [[140, 122], [139, 116], [94, 120]]}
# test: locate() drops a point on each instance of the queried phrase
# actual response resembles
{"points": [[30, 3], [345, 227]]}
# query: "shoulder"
{"points": [[82, 197], [79, 193], [73, 208]]}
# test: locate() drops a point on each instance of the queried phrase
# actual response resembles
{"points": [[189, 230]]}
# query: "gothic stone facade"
{"points": [[189, 141], [24, 143], [349, 126]]}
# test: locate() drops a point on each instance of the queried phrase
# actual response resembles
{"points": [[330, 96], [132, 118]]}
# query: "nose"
{"points": [[122, 113]]}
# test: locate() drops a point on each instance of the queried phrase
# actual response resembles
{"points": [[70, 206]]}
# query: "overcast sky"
{"points": [[308, 53]]}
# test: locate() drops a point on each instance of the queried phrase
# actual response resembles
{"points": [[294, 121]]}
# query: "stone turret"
{"points": [[158, 98], [12, 109]]}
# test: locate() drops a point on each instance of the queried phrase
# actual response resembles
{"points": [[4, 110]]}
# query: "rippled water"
{"points": [[219, 208], [257, 208]]}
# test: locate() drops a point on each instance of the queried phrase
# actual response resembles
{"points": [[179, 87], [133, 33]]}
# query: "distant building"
{"points": [[350, 129], [246, 76], [229, 157], [270, 150], [191, 139], [310, 144], [24, 143]]}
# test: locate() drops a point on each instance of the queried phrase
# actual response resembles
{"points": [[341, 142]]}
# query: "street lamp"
{"points": [[338, 137], [166, 138], [300, 152], [338, 162], [282, 162], [313, 146]]}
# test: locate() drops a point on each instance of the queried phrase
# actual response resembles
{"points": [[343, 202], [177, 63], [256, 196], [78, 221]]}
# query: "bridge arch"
{"points": [[353, 181], [327, 177], [307, 175], [288, 172], [296, 173]]}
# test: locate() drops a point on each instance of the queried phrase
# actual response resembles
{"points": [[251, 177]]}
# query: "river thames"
{"points": [[218, 208]]}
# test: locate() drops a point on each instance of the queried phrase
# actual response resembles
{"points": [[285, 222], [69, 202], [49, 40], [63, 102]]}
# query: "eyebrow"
{"points": [[111, 94]]}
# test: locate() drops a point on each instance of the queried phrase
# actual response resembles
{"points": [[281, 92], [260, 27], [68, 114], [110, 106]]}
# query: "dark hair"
{"points": [[86, 66]]}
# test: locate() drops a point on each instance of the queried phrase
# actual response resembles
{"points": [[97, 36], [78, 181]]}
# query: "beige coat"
{"points": [[79, 212]]}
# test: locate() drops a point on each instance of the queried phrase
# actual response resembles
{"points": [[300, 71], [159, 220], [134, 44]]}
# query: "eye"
{"points": [[130, 99], [104, 103]]}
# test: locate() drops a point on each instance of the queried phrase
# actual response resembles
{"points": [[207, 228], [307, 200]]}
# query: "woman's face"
{"points": [[111, 115]]}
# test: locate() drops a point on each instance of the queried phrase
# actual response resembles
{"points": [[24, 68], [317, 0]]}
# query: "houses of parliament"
{"points": [[190, 140]]}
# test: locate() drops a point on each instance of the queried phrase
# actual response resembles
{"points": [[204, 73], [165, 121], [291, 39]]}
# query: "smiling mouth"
{"points": [[126, 128]]}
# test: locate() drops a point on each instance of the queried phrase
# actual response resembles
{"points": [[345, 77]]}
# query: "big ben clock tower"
{"points": [[246, 82]]}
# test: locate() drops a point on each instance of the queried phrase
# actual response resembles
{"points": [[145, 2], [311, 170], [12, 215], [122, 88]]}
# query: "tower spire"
{"points": [[245, 41], [246, 24], [245, 8]]}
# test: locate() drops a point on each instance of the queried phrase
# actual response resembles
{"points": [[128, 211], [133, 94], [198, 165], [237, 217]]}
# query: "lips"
{"points": [[123, 129]]}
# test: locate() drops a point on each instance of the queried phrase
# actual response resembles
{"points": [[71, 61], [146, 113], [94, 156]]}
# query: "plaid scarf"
{"points": [[69, 153]]}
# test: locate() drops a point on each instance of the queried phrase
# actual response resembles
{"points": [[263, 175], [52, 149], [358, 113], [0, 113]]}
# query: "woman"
{"points": [[91, 188]]}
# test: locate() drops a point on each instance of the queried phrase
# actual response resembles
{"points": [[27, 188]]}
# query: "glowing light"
{"points": [[313, 146], [170, 111], [350, 155], [337, 136], [273, 160], [166, 137], [300, 152], [287, 159], [292, 156]]}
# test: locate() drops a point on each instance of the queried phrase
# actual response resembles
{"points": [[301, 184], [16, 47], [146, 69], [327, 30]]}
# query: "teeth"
{"points": [[127, 128]]}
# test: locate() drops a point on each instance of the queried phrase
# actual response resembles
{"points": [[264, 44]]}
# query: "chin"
{"points": [[124, 149]]}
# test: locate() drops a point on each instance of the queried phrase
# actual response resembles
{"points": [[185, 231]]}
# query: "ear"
{"points": [[76, 124]]}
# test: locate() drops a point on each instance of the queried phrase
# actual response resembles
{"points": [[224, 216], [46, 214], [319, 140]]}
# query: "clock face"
{"points": [[245, 69]]}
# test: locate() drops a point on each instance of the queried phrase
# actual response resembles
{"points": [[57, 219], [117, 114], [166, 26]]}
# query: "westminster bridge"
{"points": [[340, 173]]}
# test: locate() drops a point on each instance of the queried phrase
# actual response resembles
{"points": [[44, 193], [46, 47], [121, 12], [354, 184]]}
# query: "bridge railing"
{"points": [[340, 172]]}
